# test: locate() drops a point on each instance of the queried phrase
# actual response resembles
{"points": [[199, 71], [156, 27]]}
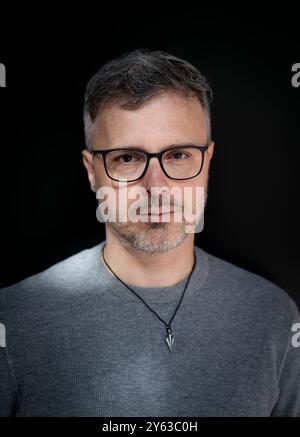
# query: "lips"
{"points": [[161, 213]]}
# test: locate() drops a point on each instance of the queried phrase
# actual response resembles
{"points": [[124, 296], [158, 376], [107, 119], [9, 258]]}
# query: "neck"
{"points": [[149, 270]]}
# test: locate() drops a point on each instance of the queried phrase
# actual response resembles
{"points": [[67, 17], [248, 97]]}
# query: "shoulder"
{"points": [[66, 275], [248, 292]]}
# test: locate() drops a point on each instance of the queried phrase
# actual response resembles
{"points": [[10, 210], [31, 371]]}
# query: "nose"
{"points": [[154, 176]]}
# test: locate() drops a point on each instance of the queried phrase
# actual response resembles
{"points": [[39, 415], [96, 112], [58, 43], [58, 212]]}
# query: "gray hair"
{"points": [[134, 77]]}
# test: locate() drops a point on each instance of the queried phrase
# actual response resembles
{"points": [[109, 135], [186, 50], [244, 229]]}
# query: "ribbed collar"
{"points": [[169, 294]]}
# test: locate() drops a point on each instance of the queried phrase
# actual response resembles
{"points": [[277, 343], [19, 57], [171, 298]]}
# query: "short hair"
{"points": [[136, 76]]}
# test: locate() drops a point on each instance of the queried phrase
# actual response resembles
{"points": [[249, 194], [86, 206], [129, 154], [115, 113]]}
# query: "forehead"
{"points": [[164, 119]]}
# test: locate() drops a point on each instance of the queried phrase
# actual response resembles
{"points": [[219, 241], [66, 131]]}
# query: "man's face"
{"points": [[165, 120]]}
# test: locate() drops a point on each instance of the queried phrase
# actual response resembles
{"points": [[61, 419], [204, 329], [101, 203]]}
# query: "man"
{"points": [[146, 323]]}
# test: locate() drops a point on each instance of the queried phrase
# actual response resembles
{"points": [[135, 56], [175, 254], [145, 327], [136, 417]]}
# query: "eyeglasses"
{"points": [[129, 165]]}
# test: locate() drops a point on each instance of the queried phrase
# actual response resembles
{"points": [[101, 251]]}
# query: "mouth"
{"points": [[159, 214]]}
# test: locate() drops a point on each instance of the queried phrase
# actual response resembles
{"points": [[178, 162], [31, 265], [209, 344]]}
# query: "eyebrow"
{"points": [[170, 146]]}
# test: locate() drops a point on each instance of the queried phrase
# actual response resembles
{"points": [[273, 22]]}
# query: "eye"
{"points": [[178, 155], [128, 158]]}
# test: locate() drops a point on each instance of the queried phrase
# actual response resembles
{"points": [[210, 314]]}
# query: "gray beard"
{"points": [[154, 239]]}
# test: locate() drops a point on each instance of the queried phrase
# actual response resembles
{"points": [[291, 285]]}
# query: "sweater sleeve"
{"points": [[288, 403], [7, 381]]}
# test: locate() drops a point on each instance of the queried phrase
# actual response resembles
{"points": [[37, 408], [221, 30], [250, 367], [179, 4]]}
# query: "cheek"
{"points": [[203, 177], [99, 181], [102, 179], [198, 200], [205, 169]]}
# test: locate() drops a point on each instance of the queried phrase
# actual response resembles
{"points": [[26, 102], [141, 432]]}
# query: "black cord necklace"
{"points": [[170, 337]]}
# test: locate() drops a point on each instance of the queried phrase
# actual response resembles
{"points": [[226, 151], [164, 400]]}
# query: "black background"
{"points": [[48, 210]]}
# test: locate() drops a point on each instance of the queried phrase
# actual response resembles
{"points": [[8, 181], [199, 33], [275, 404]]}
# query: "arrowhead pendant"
{"points": [[170, 339]]}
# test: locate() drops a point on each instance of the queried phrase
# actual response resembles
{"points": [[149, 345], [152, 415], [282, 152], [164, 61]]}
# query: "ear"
{"points": [[210, 149], [87, 158]]}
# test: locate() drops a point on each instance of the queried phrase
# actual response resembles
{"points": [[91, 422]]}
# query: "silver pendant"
{"points": [[170, 339]]}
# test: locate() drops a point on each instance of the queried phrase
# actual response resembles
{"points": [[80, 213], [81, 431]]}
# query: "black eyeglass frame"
{"points": [[149, 155]]}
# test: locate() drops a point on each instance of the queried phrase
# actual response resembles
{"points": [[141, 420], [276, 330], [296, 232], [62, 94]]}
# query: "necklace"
{"points": [[170, 338]]}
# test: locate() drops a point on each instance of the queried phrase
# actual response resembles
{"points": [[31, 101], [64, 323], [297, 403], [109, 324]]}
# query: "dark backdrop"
{"points": [[48, 210]]}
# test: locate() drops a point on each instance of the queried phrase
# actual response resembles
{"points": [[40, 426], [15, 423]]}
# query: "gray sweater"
{"points": [[74, 341]]}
